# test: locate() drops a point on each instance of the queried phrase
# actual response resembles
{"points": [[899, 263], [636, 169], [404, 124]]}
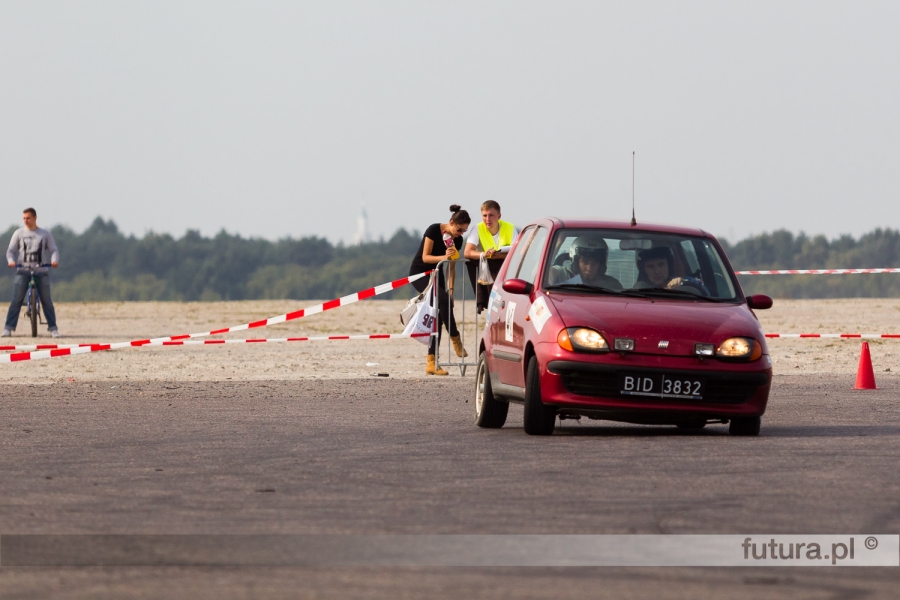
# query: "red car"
{"points": [[636, 323]]}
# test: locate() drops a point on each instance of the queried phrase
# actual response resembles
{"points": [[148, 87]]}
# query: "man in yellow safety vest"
{"points": [[487, 239]]}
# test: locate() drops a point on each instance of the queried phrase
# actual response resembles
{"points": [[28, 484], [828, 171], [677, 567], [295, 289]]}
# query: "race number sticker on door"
{"points": [[492, 305], [510, 315], [539, 313]]}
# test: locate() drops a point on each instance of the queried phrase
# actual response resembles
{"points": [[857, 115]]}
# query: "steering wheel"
{"points": [[692, 285]]}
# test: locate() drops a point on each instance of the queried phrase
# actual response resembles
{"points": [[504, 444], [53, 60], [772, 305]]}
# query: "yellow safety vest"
{"points": [[487, 240]]}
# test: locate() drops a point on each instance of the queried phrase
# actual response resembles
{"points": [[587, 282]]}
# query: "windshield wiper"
{"points": [[641, 293], [680, 294], [584, 286]]}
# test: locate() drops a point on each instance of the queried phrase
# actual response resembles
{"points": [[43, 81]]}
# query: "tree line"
{"points": [[101, 263], [784, 250]]}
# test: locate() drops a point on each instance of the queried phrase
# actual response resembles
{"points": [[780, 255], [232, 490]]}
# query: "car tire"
{"points": [[490, 413], [744, 426], [539, 418]]}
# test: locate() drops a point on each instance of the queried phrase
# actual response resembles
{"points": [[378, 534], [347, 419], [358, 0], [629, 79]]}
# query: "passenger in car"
{"points": [[589, 253], [655, 267]]}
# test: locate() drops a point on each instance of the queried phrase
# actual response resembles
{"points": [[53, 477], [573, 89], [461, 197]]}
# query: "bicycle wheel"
{"points": [[35, 310]]}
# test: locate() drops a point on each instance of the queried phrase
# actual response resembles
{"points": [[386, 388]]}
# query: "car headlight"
{"points": [[582, 339], [739, 348]]}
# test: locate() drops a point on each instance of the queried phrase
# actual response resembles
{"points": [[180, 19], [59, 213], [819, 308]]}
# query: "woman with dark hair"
{"points": [[433, 250]]}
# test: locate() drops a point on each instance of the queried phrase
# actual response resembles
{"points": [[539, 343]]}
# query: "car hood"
{"points": [[681, 323]]}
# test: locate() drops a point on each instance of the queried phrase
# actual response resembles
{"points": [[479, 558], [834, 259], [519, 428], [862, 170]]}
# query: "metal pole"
{"points": [[462, 364], [437, 314]]}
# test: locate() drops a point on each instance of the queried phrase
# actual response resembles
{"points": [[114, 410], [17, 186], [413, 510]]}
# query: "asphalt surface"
{"points": [[376, 455]]}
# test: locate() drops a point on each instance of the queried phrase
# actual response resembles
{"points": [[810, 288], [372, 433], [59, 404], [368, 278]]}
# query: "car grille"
{"points": [[731, 389]]}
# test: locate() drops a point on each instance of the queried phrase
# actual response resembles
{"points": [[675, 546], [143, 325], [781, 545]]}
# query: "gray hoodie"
{"points": [[32, 248]]}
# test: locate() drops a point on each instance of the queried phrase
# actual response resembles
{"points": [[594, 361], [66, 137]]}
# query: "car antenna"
{"points": [[633, 220]]}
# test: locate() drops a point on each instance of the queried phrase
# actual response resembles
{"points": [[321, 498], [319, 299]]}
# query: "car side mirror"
{"points": [[759, 301], [517, 286]]}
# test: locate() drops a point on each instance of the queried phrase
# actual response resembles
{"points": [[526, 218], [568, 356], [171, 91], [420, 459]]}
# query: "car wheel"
{"points": [[490, 413], [540, 419], [745, 426]]}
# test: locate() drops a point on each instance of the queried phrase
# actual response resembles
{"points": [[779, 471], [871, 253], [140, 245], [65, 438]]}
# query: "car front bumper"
{"points": [[590, 383]]}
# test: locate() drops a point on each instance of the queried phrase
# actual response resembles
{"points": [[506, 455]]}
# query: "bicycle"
{"points": [[33, 299]]}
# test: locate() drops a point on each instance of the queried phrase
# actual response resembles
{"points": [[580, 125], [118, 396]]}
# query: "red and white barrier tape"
{"points": [[817, 271], [41, 346], [298, 314], [375, 336], [87, 348], [305, 312], [865, 336]]}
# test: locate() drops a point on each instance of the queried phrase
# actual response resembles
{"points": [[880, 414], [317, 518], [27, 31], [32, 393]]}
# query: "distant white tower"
{"points": [[362, 227]]}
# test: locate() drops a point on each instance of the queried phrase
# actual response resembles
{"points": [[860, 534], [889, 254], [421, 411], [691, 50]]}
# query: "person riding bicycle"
{"points": [[30, 248]]}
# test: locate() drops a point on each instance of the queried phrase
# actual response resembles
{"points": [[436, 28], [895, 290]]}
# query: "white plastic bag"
{"points": [[410, 309], [484, 272], [423, 319], [413, 305]]}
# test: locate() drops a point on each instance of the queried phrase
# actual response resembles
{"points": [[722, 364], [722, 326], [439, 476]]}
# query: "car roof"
{"points": [[557, 223]]}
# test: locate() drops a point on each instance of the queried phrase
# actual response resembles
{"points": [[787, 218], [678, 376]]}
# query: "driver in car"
{"points": [[588, 264], [655, 269]]}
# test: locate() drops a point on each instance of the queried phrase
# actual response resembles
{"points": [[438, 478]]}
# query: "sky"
{"points": [[273, 119]]}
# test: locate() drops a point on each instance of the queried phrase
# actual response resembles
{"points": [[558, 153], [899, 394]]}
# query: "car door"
{"points": [[509, 334], [501, 352]]}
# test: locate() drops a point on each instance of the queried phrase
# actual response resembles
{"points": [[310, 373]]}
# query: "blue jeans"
{"points": [[42, 283]]}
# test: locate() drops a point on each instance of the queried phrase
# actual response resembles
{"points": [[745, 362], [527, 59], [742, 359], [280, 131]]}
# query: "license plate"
{"points": [[661, 385]]}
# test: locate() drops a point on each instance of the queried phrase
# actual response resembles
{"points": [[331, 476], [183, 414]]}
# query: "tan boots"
{"points": [[458, 347], [431, 368]]}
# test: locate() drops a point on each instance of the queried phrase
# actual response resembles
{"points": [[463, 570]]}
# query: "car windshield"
{"points": [[635, 263]]}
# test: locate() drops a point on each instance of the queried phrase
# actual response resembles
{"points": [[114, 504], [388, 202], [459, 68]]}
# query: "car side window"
{"points": [[534, 253], [516, 257]]}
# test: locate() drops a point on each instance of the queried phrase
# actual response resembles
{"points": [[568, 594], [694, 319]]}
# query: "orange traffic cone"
{"points": [[865, 375]]}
